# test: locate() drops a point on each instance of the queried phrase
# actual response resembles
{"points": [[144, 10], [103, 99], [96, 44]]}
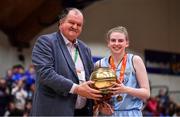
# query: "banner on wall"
{"points": [[162, 62]]}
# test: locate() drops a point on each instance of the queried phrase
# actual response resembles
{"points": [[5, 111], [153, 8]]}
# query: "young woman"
{"points": [[132, 86]]}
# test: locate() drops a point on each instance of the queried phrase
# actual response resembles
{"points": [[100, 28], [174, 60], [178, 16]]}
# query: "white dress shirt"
{"points": [[81, 101]]}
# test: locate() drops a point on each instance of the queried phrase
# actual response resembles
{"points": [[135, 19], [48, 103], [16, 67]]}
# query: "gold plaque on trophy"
{"points": [[103, 78]]}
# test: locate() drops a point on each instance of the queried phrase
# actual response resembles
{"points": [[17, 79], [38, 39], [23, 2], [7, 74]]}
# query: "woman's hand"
{"points": [[117, 88]]}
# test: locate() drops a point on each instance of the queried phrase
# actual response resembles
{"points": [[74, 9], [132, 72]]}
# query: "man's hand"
{"points": [[86, 91]]}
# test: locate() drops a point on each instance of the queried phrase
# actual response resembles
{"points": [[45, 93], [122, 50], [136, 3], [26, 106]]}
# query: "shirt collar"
{"points": [[67, 42]]}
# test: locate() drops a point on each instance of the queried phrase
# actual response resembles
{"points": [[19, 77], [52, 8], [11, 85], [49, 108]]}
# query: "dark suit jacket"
{"points": [[56, 74]]}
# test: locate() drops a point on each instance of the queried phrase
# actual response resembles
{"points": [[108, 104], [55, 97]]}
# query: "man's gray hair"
{"points": [[65, 12]]}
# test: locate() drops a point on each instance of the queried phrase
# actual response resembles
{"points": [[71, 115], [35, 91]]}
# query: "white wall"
{"points": [[9, 55]]}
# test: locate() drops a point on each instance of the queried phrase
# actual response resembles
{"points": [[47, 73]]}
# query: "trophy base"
{"points": [[104, 91]]}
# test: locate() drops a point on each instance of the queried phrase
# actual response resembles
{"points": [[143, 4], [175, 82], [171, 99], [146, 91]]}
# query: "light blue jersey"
{"points": [[130, 105]]}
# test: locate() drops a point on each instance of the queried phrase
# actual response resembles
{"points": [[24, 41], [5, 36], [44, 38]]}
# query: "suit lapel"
{"points": [[83, 58], [66, 54]]}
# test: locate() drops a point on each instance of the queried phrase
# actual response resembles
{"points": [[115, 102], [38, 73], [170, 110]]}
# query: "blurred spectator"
{"points": [[152, 107], [12, 110], [28, 108], [177, 111], [18, 72], [170, 109], [30, 77], [9, 80], [30, 92], [163, 100], [4, 97], [163, 97], [20, 95]]}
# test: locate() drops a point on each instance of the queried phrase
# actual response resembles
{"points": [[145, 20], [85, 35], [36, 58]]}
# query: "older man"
{"points": [[63, 64]]}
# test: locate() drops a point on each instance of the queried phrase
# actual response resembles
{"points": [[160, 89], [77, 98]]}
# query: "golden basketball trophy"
{"points": [[103, 79]]}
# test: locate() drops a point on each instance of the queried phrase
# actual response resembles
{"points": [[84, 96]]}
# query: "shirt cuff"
{"points": [[73, 88]]}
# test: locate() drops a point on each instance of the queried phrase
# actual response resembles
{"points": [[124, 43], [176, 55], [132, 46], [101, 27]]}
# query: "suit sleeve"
{"points": [[43, 60]]}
